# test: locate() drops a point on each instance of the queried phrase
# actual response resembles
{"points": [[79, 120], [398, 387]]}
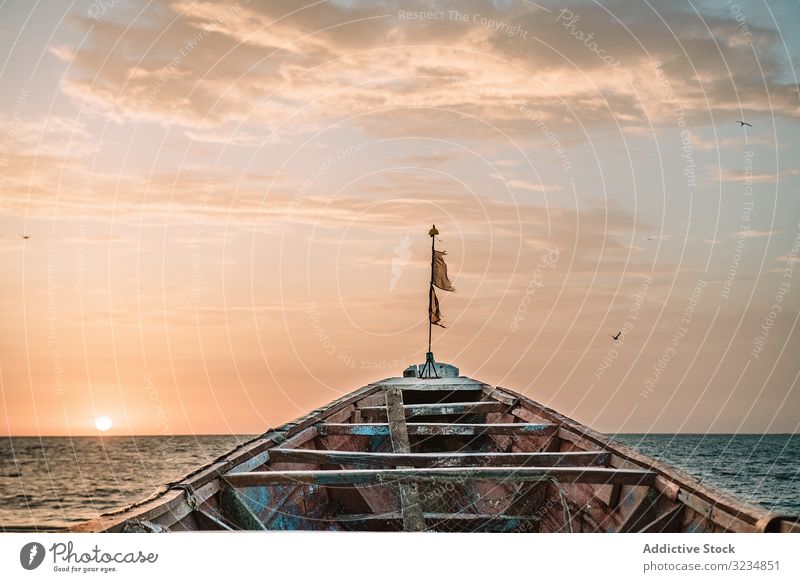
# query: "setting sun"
{"points": [[102, 423]]}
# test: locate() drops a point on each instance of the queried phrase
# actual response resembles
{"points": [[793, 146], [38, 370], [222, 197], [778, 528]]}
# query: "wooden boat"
{"points": [[444, 454]]}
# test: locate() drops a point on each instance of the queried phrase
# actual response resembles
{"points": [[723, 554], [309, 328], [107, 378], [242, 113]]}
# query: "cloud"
{"points": [[436, 158], [528, 185], [203, 64], [738, 143], [755, 233], [726, 175]]}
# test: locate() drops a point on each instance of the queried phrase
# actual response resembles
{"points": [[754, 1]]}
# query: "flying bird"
{"points": [[25, 236], [743, 123], [616, 337]]}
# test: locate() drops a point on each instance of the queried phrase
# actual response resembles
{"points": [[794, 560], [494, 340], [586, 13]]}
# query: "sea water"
{"points": [[54, 482]]}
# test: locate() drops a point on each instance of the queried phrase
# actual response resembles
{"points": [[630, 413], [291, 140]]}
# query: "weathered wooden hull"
{"points": [[449, 454]]}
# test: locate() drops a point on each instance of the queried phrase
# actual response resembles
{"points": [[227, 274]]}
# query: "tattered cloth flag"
{"points": [[440, 272], [434, 315]]}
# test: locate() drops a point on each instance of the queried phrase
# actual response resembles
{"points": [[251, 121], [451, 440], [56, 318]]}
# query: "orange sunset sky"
{"points": [[228, 206]]}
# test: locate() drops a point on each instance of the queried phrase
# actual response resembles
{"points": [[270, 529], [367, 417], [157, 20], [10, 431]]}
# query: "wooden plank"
{"points": [[256, 461], [668, 522], [582, 501], [378, 499], [726, 506], [433, 385], [377, 399], [788, 525], [526, 415], [206, 521], [279, 504], [451, 521], [409, 495], [640, 515], [147, 510], [397, 420], [609, 495], [382, 476], [719, 515], [667, 488], [455, 459], [465, 517], [522, 497], [301, 438], [237, 511], [499, 396], [411, 410], [180, 511], [580, 443], [776, 522], [438, 429]]}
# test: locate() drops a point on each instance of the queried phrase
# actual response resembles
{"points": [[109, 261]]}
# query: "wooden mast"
{"points": [[432, 232], [430, 364]]}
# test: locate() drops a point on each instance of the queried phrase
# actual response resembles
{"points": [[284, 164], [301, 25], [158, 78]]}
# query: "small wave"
{"points": [[781, 477]]}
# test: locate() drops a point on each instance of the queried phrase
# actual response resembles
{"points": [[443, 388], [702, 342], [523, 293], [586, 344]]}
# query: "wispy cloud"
{"points": [[329, 61], [756, 233], [727, 175]]}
